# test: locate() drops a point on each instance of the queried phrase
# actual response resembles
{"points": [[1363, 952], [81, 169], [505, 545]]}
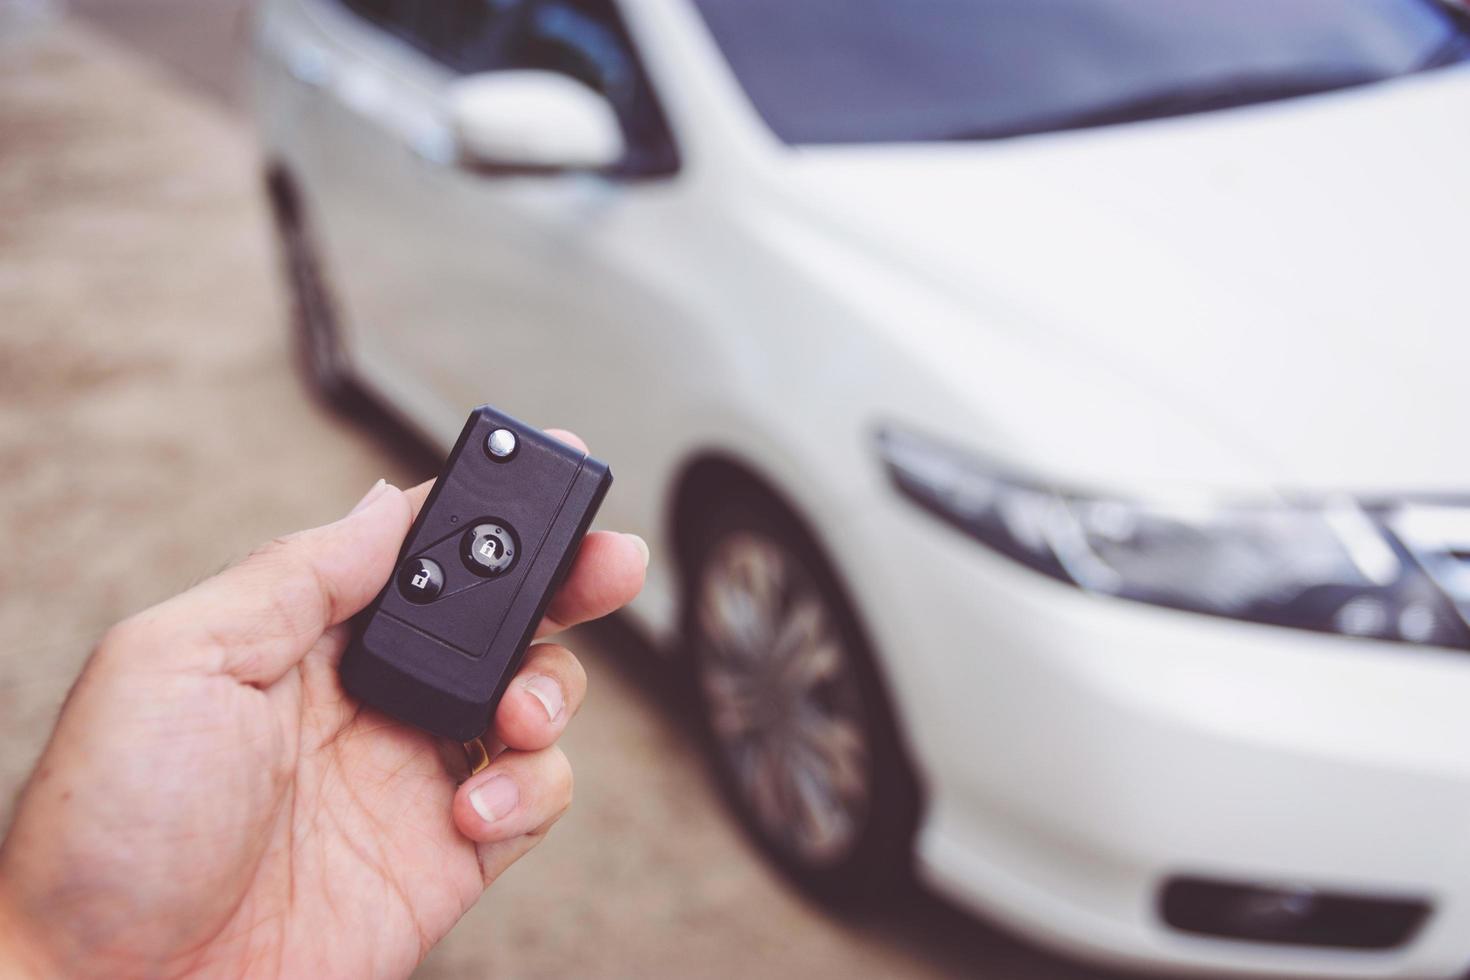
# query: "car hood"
{"points": [[1289, 275]]}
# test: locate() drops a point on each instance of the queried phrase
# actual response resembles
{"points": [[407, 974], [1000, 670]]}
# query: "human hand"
{"points": [[212, 802]]}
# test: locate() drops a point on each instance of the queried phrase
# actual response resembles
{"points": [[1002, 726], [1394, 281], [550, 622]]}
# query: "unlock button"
{"points": [[420, 580]]}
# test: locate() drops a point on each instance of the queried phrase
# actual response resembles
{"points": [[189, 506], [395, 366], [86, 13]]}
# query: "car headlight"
{"points": [[1326, 565]]}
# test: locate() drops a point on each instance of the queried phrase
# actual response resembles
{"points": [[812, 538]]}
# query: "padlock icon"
{"points": [[421, 580], [488, 548]]}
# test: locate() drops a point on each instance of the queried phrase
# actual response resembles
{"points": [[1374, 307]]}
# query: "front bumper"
{"points": [[1078, 751]]}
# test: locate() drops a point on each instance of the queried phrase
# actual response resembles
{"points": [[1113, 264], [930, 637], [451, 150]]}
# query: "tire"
{"points": [[792, 708], [320, 357]]}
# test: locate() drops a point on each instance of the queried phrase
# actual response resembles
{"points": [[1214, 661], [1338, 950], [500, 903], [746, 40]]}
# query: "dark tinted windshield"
{"points": [[842, 71]]}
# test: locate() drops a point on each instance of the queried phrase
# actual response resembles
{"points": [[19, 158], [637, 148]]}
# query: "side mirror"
{"points": [[532, 121]]}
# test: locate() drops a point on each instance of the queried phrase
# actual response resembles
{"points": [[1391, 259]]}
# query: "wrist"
{"points": [[22, 955]]}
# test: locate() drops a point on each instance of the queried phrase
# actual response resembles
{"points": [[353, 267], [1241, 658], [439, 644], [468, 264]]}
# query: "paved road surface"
{"points": [[151, 430]]}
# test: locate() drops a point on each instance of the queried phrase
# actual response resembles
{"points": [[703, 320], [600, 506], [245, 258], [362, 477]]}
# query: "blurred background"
{"points": [[1059, 396]]}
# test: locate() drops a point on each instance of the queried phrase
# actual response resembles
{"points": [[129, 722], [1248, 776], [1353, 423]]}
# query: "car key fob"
{"points": [[493, 542]]}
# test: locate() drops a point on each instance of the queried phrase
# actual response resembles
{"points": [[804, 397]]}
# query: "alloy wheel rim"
{"points": [[784, 701]]}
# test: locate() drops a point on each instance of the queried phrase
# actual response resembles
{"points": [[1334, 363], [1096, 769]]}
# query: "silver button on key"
{"points": [[501, 444]]}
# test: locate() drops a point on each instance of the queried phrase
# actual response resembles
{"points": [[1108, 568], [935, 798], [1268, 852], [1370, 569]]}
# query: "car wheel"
{"points": [[319, 352], [793, 709]]}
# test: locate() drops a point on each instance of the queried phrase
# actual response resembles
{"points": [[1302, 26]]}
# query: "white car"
{"points": [[1047, 417]]}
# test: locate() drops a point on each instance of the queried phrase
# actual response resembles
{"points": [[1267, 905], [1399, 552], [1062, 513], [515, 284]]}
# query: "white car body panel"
{"points": [[1229, 303]]}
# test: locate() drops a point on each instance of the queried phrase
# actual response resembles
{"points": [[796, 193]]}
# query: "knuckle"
{"points": [[276, 549], [561, 663], [563, 782], [297, 595], [577, 672], [133, 639]]}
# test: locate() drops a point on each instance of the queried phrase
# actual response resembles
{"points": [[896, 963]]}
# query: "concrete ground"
{"points": [[151, 430]]}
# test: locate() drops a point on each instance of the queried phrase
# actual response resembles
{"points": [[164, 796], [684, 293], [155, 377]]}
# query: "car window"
{"points": [[470, 35], [588, 40], [397, 17], [585, 39], [853, 71], [377, 11]]}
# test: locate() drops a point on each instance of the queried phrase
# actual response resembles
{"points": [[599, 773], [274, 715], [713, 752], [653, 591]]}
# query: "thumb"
{"points": [[257, 619]]}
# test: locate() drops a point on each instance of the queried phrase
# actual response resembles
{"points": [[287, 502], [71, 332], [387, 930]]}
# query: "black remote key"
{"points": [[494, 541]]}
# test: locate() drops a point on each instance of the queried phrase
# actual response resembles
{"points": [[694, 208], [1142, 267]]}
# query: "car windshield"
{"points": [[858, 71]]}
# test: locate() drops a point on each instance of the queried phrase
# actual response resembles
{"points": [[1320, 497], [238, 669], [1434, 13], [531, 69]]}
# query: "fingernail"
{"points": [[548, 692], [642, 547], [495, 798], [374, 493]]}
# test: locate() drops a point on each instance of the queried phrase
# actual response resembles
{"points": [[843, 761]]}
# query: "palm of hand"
{"points": [[363, 869], [213, 802], [336, 854]]}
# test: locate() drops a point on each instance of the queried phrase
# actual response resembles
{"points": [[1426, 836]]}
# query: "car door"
{"points": [[459, 286], [370, 143], [529, 298]]}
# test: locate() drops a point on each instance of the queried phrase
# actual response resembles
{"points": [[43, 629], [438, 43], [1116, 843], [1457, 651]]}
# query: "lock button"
{"points": [[489, 548], [420, 580]]}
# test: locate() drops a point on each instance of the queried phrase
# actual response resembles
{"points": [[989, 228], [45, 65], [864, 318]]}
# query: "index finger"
{"points": [[259, 617]]}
